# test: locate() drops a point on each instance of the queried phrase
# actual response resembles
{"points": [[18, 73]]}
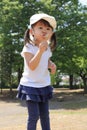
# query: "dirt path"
{"points": [[65, 113]]}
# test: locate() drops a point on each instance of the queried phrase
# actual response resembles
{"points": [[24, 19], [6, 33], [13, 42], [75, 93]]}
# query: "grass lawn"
{"points": [[68, 111]]}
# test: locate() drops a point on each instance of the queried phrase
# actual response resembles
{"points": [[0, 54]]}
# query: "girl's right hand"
{"points": [[43, 46]]}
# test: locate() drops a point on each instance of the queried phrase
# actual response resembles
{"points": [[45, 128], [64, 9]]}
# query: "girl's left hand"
{"points": [[52, 67]]}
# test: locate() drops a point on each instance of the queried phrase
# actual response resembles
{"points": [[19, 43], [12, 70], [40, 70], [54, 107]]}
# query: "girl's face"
{"points": [[41, 32]]}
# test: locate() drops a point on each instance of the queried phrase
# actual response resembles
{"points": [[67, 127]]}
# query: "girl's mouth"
{"points": [[45, 35]]}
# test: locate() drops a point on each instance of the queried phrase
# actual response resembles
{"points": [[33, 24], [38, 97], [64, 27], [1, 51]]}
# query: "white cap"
{"points": [[36, 17]]}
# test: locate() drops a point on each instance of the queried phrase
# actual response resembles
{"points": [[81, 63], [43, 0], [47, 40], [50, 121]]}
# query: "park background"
{"points": [[68, 108], [70, 55]]}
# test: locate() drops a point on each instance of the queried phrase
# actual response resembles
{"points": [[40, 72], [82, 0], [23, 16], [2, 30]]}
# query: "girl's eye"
{"points": [[43, 28], [40, 28], [48, 28]]}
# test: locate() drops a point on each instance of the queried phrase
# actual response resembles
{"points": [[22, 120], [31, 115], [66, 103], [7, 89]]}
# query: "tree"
{"points": [[8, 40], [71, 36], [14, 21], [71, 27]]}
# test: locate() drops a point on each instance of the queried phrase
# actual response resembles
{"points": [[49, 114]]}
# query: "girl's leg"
{"points": [[44, 115], [33, 115]]}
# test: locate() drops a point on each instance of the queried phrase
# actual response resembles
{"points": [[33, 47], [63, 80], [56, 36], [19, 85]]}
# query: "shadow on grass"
{"points": [[69, 99], [62, 99]]}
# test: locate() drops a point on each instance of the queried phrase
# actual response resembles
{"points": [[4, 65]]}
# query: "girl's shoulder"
{"points": [[29, 45], [28, 48]]}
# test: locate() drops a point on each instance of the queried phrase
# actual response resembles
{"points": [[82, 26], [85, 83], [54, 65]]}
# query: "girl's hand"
{"points": [[52, 67], [43, 46]]}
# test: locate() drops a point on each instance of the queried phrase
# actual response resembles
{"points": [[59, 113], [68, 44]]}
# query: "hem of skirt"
{"points": [[33, 100], [33, 94]]}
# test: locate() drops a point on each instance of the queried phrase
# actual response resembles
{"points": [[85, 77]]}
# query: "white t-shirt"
{"points": [[40, 77]]}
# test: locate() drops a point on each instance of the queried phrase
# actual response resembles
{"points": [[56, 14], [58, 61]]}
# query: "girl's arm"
{"points": [[52, 67], [33, 60]]}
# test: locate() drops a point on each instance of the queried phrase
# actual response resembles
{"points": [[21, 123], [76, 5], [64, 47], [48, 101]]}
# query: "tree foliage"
{"points": [[72, 29], [71, 51]]}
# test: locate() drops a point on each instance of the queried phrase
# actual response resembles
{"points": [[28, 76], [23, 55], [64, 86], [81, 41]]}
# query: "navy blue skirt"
{"points": [[35, 94]]}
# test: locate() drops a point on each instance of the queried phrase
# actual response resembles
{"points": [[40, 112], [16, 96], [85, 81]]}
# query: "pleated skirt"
{"points": [[35, 94]]}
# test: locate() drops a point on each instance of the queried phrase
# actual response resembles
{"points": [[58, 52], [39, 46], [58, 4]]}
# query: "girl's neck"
{"points": [[36, 42]]}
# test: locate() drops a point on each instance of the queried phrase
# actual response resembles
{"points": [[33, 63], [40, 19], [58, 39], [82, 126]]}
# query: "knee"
{"points": [[44, 116], [33, 118]]}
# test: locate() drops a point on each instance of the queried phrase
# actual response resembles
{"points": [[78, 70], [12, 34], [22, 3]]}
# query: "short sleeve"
{"points": [[27, 48]]}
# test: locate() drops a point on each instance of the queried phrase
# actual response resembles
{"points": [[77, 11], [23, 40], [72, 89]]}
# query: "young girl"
{"points": [[35, 85]]}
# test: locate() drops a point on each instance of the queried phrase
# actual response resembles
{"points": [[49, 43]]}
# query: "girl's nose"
{"points": [[44, 33], [44, 29]]}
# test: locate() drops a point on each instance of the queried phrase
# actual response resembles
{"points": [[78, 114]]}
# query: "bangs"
{"points": [[45, 23]]}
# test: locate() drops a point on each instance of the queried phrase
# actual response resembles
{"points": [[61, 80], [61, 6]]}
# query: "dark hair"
{"points": [[53, 42], [53, 38], [27, 37]]}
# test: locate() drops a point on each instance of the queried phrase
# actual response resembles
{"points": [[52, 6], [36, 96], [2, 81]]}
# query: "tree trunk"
{"points": [[1, 87], [85, 85], [1, 90], [85, 89], [71, 81], [2, 84]]}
